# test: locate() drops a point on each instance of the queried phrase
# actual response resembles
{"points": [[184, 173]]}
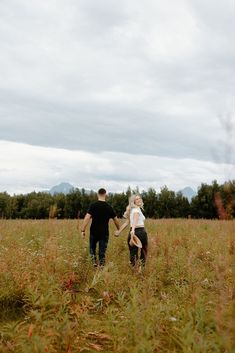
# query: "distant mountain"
{"points": [[64, 188], [188, 192]]}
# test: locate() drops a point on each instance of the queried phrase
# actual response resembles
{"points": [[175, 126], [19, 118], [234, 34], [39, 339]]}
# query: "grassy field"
{"points": [[53, 300]]}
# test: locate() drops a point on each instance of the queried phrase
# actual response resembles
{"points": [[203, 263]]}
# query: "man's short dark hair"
{"points": [[101, 191]]}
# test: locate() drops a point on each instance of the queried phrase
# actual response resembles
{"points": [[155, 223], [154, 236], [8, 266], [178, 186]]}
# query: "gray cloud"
{"points": [[125, 77], [102, 127], [30, 168]]}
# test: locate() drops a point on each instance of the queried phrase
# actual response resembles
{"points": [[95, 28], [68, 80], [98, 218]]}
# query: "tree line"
{"points": [[211, 201]]}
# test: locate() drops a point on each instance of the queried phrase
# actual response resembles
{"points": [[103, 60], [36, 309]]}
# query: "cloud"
{"points": [[26, 168], [128, 78], [109, 127]]}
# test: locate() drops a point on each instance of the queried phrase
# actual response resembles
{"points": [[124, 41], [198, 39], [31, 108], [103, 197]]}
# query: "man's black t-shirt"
{"points": [[101, 212]]}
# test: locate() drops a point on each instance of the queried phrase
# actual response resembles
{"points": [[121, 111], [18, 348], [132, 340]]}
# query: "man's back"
{"points": [[101, 212]]}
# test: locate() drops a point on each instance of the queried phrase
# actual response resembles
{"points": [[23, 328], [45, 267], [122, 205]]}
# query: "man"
{"points": [[100, 213]]}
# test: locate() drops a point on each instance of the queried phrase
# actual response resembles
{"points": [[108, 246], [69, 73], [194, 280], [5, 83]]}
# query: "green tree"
{"points": [[182, 208], [203, 205], [167, 203], [151, 203], [119, 203], [4, 200]]}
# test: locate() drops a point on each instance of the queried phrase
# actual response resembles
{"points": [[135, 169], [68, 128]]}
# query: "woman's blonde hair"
{"points": [[132, 205]]}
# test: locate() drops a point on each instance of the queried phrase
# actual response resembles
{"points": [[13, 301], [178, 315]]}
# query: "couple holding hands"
{"points": [[100, 212]]}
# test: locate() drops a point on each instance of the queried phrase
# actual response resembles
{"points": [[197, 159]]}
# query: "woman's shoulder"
{"points": [[135, 210]]}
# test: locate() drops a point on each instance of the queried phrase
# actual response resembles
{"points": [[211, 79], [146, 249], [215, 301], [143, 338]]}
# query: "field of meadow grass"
{"points": [[53, 300]]}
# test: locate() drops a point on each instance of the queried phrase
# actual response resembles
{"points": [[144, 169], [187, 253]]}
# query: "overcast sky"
{"points": [[116, 93]]}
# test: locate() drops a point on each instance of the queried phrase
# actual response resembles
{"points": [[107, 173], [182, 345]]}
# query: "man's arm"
{"points": [[85, 223]]}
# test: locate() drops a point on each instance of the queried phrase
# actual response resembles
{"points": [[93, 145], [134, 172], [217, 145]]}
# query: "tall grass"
{"points": [[53, 300]]}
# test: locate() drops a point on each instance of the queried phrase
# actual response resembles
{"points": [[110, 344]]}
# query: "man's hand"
{"points": [[83, 233]]}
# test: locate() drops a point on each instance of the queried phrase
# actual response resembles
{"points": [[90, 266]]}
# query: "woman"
{"points": [[135, 217]]}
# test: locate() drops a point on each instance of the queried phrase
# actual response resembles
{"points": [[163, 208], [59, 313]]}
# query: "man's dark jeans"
{"points": [[103, 242]]}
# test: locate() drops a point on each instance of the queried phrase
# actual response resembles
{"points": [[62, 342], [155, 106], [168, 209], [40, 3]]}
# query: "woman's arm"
{"points": [[135, 222], [123, 226], [116, 222]]}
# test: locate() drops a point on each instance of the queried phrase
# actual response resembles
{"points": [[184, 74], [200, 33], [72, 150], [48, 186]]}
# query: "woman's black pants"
{"points": [[134, 255]]}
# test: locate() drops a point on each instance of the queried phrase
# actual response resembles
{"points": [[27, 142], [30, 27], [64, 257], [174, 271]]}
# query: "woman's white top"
{"points": [[141, 218]]}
